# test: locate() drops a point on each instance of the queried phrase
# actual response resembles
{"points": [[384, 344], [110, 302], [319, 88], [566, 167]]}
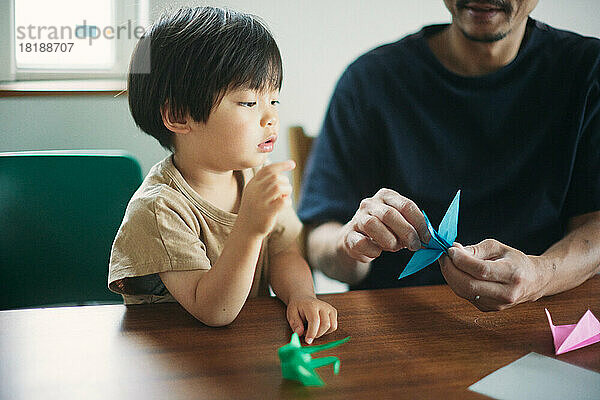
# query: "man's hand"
{"points": [[320, 317], [386, 221], [494, 276]]}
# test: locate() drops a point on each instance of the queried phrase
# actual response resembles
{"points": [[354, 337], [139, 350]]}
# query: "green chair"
{"points": [[59, 213]]}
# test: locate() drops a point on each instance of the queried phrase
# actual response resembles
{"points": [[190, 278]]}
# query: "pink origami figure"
{"points": [[571, 337]]}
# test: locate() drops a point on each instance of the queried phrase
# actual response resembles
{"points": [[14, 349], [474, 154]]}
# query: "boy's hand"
{"points": [[264, 196], [321, 317]]}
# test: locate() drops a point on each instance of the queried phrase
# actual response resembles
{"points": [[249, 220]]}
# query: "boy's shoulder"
{"points": [[158, 190], [165, 193]]}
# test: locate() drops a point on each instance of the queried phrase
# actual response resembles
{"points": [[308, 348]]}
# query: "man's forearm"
{"points": [[324, 254], [576, 257]]}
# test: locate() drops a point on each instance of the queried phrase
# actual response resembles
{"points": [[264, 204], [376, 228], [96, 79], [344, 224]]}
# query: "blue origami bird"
{"points": [[440, 242]]}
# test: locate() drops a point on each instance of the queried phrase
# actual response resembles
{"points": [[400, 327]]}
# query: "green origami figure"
{"points": [[298, 365]]}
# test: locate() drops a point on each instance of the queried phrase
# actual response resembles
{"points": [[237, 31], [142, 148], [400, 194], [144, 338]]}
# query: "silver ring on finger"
{"points": [[477, 297]]}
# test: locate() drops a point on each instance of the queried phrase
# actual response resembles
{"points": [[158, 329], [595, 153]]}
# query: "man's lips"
{"points": [[482, 12], [479, 7], [267, 145], [483, 8]]}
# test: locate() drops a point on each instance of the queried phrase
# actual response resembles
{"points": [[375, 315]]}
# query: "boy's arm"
{"points": [[291, 280], [216, 296], [290, 275]]}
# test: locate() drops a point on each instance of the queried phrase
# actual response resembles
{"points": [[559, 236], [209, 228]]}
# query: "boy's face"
{"points": [[240, 131]]}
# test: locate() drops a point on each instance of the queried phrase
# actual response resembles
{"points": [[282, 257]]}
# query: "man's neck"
{"points": [[470, 58]]}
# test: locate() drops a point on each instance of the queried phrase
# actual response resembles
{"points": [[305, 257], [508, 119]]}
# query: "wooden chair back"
{"points": [[300, 145]]}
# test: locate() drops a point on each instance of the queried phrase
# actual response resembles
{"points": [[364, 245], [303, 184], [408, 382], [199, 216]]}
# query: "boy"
{"points": [[208, 227]]}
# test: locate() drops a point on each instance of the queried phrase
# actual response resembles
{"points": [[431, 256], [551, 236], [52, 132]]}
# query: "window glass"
{"points": [[66, 34]]}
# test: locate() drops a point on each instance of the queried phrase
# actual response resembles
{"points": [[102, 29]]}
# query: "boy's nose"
{"points": [[269, 119]]}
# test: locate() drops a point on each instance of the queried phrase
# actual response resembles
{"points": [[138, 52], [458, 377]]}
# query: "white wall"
{"points": [[318, 38], [6, 46], [74, 122]]}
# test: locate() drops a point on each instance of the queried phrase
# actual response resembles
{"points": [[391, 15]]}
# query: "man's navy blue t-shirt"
{"points": [[522, 143]]}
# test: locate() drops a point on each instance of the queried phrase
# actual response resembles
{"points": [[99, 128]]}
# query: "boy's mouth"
{"points": [[267, 145]]}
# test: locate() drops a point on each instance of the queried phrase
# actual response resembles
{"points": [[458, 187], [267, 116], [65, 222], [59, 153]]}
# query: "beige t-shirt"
{"points": [[169, 227]]}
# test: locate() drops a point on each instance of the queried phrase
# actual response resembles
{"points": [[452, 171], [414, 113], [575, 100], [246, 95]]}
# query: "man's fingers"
{"points": [[409, 210], [396, 232], [392, 221], [488, 249], [486, 296], [360, 247], [372, 226], [481, 269]]}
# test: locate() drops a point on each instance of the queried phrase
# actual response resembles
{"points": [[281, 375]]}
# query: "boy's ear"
{"points": [[172, 123]]}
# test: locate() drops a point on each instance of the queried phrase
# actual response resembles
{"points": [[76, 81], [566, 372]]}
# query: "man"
{"points": [[496, 104]]}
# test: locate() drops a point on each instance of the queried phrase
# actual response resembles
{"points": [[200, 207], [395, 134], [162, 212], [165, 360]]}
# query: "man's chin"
{"points": [[483, 29]]}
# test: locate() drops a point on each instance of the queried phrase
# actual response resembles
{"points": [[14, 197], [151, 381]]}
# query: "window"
{"points": [[74, 39]]}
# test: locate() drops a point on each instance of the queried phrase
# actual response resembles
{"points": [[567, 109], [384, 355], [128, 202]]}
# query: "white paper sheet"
{"points": [[539, 377]]}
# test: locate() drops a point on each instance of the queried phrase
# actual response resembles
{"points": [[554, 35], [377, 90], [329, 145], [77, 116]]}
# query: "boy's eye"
{"points": [[275, 102], [247, 103]]}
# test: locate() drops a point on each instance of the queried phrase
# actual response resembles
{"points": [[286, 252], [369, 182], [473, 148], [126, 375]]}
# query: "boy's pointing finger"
{"points": [[278, 167]]}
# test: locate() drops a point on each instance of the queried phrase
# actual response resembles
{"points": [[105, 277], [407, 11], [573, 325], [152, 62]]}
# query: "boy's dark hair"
{"points": [[195, 55]]}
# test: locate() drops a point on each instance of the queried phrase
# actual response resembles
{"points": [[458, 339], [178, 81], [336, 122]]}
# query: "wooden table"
{"points": [[406, 343]]}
